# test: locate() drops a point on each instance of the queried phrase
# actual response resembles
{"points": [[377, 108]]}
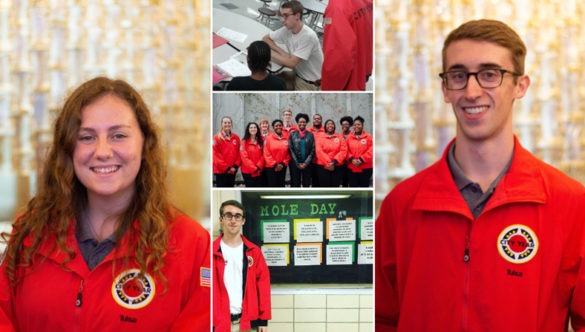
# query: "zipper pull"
{"points": [[466, 257], [78, 301]]}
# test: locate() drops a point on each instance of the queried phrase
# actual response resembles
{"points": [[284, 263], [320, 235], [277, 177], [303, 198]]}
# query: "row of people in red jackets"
{"points": [[316, 155]]}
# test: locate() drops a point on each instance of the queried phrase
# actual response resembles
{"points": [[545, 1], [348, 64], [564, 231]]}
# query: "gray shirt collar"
{"points": [[461, 181]]}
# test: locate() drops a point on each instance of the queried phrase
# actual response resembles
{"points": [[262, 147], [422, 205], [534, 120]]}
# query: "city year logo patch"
{"points": [[517, 244], [131, 291], [250, 261]]}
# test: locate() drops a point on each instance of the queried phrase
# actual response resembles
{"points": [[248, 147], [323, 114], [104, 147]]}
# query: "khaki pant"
{"points": [[293, 82], [236, 327]]}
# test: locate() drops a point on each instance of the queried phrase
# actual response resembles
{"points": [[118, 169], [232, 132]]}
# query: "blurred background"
{"points": [[413, 124], [47, 48]]}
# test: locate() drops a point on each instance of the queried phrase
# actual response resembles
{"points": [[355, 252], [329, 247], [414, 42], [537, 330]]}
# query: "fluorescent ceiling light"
{"points": [[304, 196]]}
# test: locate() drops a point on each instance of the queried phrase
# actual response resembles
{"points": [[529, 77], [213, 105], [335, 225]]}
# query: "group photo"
{"points": [[278, 140]]}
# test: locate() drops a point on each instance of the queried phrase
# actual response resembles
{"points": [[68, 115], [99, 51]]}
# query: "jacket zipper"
{"points": [[466, 276], [78, 301]]}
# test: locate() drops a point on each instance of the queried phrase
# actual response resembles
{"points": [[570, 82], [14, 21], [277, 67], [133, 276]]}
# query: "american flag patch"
{"points": [[205, 277]]}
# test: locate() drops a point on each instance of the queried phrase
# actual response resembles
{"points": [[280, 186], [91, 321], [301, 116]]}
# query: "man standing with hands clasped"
{"points": [[241, 280], [489, 238]]}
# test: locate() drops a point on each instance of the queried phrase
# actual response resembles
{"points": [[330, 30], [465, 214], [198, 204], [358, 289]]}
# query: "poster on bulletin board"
{"points": [[313, 237]]}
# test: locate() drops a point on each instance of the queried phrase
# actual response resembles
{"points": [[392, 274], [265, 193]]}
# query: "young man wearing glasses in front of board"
{"points": [[241, 280]]}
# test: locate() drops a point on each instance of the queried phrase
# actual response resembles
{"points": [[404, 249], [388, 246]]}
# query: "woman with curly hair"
{"points": [[100, 247]]}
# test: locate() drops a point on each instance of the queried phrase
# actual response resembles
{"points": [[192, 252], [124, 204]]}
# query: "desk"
{"points": [[253, 30]]}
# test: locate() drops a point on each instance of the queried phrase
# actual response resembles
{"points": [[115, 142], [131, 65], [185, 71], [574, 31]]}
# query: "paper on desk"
{"points": [[234, 68], [232, 35]]}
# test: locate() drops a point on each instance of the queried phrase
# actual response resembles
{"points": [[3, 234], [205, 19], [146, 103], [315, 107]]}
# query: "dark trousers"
{"points": [[345, 176], [329, 178], [275, 179], [225, 180], [298, 176], [315, 175], [254, 181], [360, 180]]}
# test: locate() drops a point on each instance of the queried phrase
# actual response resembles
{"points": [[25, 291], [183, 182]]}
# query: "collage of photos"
{"points": [[292, 165]]}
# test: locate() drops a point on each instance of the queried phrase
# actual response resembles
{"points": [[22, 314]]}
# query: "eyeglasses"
{"points": [[486, 78], [229, 216], [286, 15]]}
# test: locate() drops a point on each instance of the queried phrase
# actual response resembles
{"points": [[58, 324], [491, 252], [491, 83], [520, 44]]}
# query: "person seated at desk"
{"points": [[303, 54], [261, 79]]}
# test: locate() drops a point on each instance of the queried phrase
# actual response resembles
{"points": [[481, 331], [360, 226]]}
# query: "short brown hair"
{"points": [[232, 202], [295, 6], [490, 31]]}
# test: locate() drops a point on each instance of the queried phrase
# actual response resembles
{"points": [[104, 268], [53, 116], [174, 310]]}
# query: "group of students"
{"points": [[344, 62], [316, 156]]}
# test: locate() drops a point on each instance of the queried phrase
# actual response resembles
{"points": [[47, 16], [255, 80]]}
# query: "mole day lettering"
{"points": [[292, 209]]}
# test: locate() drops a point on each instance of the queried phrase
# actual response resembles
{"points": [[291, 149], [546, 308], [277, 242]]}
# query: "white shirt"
{"points": [[304, 45], [232, 275]]}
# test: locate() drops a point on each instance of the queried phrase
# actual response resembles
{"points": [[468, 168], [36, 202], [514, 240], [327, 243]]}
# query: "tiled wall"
{"points": [[322, 312]]}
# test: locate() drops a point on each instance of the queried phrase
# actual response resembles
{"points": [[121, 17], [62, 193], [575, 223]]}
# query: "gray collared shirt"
{"points": [[93, 252], [475, 198]]}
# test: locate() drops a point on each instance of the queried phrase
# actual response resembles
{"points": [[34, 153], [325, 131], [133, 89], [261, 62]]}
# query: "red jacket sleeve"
{"points": [[286, 159], [368, 156], [342, 153], [386, 295], [260, 163], [322, 157], [577, 306], [196, 314], [339, 50], [263, 282], [238, 160], [6, 314], [247, 163], [220, 165], [268, 159]]}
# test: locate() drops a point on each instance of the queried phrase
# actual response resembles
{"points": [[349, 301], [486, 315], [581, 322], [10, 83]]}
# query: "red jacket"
{"points": [[276, 150], [316, 131], [361, 148], [347, 44], [526, 267], [225, 152], [45, 300], [286, 132], [329, 148], [256, 297], [252, 158]]}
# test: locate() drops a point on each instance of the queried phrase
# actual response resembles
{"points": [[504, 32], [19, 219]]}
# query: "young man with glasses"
{"points": [[241, 280], [489, 238], [303, 51]]}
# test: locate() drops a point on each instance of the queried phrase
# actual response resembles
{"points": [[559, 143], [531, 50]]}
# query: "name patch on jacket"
{"points": [[517, 244], [131, 291]]}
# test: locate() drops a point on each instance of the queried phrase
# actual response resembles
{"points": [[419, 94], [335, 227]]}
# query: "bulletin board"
{"points": [[313, 237]]}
